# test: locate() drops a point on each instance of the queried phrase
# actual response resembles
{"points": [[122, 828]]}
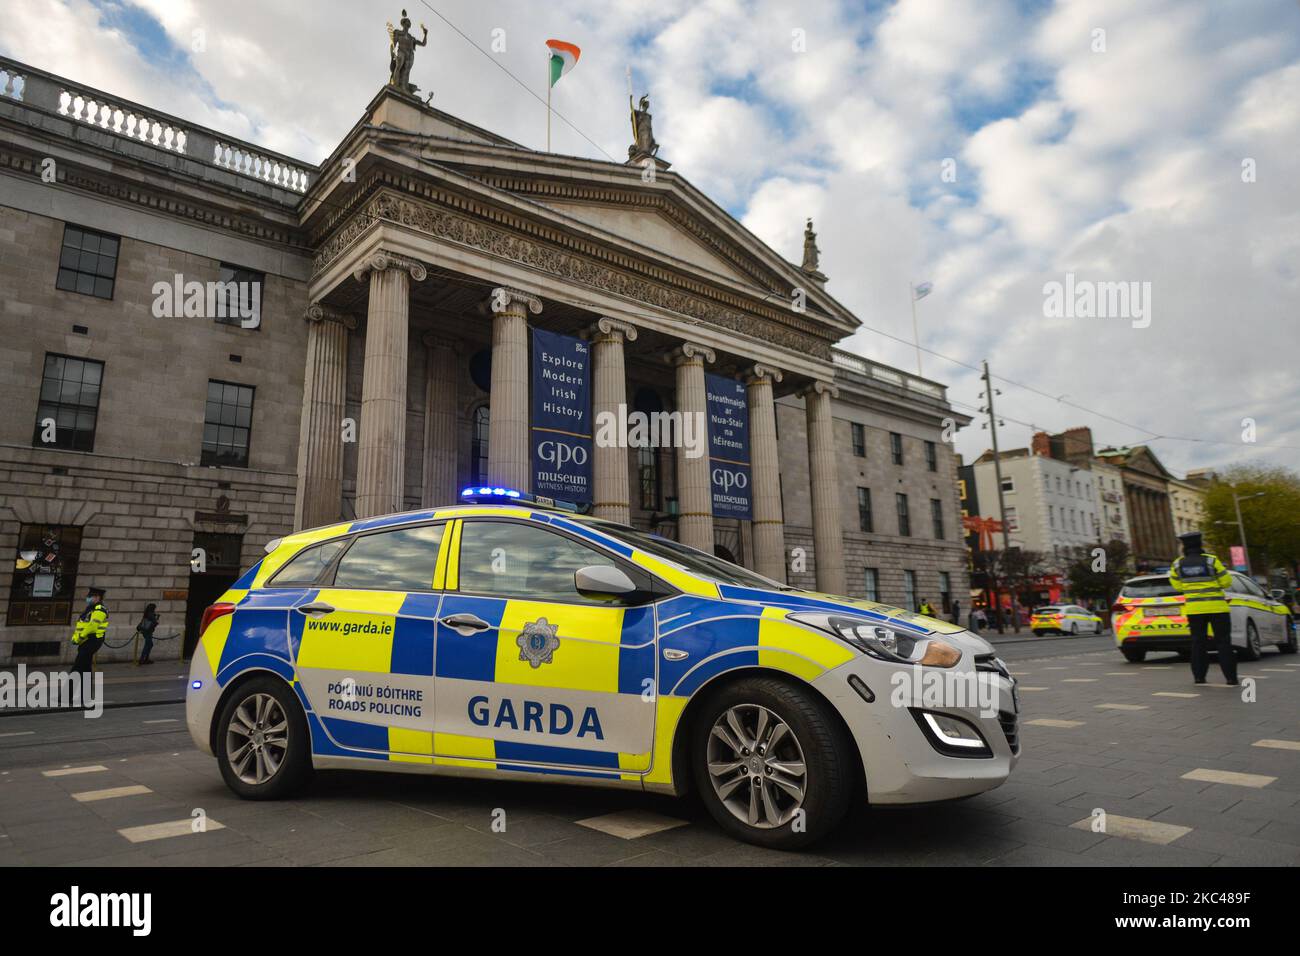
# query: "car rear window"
{"points": [[1148, 588], [1052, 609]]}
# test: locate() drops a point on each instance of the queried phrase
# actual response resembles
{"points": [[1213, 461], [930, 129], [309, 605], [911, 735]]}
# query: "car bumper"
{"points": [[1156, 642], [201, 701], [900, 763]]}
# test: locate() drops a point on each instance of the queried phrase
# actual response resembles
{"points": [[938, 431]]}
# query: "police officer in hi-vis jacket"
{"points": [[1203, 578], [88, 635]]}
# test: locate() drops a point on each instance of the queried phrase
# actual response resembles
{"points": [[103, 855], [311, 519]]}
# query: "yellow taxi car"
{"points": [[1149, 615], [1065, 619], [502, 638]]}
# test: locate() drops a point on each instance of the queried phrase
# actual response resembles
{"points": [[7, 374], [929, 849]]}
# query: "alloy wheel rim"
{"points": [[257, 739], [756, 766]]}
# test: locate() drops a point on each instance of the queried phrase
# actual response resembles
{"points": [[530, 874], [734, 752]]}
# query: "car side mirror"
{"points": [[1277, 594], [603, 581]]}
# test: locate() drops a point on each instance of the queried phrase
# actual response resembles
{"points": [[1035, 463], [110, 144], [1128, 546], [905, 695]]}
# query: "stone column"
{"points": [[381, 445], [694, 491], [609, 391], [508, 458], [439, 421], [767, 525], [320, 436], [828, 542]]}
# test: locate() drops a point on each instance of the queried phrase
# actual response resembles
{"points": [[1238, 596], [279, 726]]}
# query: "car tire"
{"points": [[726, 764], [1289, 645], [1074, 629], [1132, 655], [262, 743], [1251, 652]]}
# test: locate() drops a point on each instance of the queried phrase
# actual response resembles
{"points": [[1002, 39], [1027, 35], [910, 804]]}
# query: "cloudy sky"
{"points": [[988, 146]]}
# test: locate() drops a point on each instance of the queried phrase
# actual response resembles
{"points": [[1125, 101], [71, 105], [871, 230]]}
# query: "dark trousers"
{"points": [[148, 646], [86, 652], [1221, 627]]}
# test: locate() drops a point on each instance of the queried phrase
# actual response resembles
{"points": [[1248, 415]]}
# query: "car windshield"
{"points": [[1148, 588], [697, 562]]}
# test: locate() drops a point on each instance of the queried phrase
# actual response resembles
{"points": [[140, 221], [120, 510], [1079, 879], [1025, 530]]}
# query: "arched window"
{"points": [[478, 456]]}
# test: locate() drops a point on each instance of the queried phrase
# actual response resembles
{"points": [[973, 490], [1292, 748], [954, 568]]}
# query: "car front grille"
{"points": [[1011, 728]]}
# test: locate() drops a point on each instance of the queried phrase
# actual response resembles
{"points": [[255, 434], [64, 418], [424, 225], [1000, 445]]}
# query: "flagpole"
{"points": [[916, 335], [548, 102]]}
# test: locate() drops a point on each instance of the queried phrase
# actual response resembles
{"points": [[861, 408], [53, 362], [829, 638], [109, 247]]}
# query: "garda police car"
{"points": [[501, 637], [1149, 615]]}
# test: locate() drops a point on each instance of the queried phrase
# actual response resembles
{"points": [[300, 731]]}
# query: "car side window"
{"points": [[518, 560], [306, 566], [399, 560]]}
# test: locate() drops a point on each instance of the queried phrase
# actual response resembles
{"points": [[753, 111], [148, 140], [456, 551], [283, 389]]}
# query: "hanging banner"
{"points": [[729, 470], [561, 421]]}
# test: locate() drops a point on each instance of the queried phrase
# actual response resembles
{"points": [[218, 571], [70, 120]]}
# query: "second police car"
{"points": [[1148, 616], [505, 639]]}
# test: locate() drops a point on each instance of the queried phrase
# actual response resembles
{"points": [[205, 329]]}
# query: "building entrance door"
{"points": [[220, 569]]}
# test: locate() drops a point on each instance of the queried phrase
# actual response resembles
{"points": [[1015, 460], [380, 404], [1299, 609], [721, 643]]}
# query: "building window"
{"points": [[945, 591], [87, 262], [871, 584], [1008, 483], [936, 516], [909, 590], [859, 439], [478, 451], [896, 447], [227, 424], [44, 584], [904, 522], [241, 295], [864, 510], [647, 466], [1051, 516], [69, 403], [931, 456], [1013, 523]]}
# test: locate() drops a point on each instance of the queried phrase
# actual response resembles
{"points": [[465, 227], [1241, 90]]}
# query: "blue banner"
{"points": [[561, 425], [729, 471]]}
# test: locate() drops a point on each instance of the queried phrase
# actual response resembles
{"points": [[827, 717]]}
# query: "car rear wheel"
{"points": [[773, 764], [1251, 651], [262, 743], [1132, 655]]}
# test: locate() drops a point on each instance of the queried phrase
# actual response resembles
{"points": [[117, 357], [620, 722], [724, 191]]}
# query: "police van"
{"points": [[503, 638]]}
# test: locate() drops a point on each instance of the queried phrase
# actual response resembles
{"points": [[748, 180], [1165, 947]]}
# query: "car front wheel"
{"points": [[262, 742], [773, 765]]}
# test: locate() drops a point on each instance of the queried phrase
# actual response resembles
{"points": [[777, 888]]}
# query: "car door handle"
{"points": [[465, 624], [317, 607]]}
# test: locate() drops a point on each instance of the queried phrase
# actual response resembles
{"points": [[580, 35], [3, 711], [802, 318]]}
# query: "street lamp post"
{"points": [[1241, 527]]}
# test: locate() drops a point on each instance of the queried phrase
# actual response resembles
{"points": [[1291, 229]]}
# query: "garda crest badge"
{"points": [[537, 642]]}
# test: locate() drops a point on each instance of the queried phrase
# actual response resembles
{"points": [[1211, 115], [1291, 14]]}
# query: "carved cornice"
{"points": [[633, 279], [504, 299], [436, 340], [383, 260], [689, 352], [320, 313]]}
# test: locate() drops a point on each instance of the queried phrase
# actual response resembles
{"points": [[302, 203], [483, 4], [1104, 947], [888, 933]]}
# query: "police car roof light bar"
{"points": [[485, 494]]}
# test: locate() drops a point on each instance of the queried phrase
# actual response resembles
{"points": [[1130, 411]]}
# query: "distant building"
{"points": [[1146, 496], [1187, 501]]}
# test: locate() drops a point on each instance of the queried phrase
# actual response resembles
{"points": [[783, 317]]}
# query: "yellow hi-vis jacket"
{"points": [[92, 623], [1203, 581]]}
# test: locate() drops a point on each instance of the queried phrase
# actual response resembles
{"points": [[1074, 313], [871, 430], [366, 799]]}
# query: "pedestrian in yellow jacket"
{"points": [[88, 634], [1202, 578]]}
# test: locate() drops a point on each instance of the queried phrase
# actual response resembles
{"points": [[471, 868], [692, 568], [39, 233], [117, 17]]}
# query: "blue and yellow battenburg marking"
{"points": [[604, 703]]}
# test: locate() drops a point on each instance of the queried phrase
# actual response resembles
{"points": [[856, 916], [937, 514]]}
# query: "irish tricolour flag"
{"points": [[563, 57]]}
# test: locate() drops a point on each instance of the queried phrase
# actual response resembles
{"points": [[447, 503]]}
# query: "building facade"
{"points": [[369, 352], [1146, 500]]}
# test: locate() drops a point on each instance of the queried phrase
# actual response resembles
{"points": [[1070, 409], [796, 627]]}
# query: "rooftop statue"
{"points": [[401, 54]]}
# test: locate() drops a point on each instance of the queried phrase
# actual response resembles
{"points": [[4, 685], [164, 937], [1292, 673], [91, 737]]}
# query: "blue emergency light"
{"points": [[485, 494]]}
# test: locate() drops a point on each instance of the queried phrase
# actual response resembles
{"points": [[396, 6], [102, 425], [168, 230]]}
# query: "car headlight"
{"points": [[882, 641]]}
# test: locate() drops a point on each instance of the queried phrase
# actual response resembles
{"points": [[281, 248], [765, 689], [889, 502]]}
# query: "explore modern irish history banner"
{"points": [[561, 421]]}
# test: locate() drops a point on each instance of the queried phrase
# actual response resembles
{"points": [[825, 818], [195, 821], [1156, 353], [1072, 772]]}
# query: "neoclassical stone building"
{"points": [[389, 363]]}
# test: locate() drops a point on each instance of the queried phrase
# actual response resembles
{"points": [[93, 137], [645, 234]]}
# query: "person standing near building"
{"points": [[927, 608], [1202, 578], [956, 612], [148, 624], [88, 634]]}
